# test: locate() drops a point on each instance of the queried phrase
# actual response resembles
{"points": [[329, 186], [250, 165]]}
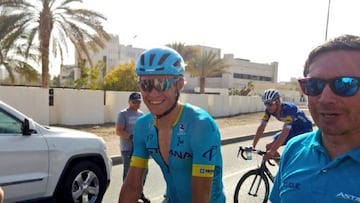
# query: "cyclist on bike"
{"points": [[295, 122], [183, 139]]}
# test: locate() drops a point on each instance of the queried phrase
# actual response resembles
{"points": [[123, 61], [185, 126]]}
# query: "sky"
{"points": [[262, 31]]}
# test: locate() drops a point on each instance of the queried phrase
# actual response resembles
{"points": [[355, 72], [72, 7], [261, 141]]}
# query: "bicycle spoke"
{"points": [[252, 188]]}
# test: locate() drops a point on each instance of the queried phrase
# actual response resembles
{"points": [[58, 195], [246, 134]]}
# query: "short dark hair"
{"points": [[343, 42]]}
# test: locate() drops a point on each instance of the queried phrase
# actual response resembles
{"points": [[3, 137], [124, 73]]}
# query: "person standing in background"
{"points": [[125, 122]]}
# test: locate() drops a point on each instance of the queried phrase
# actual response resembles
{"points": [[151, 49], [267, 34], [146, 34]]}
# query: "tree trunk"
{"points": [[202, 85]]}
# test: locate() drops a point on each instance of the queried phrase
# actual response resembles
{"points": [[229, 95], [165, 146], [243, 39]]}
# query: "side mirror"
{"points": [[26, 127]]}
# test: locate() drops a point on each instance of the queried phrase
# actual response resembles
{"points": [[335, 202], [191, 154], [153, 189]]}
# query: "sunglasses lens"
{"points": [[345, 86], [269, 103], [159, 85], [146, 85], [314, 87]]}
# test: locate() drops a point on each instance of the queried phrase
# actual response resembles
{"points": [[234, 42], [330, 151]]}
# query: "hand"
{"points": [[269, 155]]}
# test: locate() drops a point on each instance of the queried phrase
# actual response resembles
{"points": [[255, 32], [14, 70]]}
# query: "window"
{"points": [[9, 124]]}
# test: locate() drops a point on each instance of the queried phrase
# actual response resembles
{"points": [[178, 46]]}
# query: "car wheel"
{"points": [[84, 183]]}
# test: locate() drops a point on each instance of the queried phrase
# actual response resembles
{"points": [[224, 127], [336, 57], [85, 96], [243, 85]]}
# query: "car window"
{"points": [[9, 124]]}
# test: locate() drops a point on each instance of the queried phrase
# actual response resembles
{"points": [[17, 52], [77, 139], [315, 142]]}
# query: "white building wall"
{"points": [[129, 53]]}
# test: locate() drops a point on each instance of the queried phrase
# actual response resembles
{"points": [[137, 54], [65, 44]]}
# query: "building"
{"points": [[238, 74]]}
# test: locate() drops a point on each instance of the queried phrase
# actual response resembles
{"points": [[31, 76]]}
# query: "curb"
{"points": [[116, 160]]}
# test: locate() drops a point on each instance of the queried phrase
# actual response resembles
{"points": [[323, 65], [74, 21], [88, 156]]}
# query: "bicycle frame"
{"points": [[265, 170], [251, 183]]}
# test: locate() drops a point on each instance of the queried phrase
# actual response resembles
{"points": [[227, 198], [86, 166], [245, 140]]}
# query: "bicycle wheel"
{"points": [[253, 187]]}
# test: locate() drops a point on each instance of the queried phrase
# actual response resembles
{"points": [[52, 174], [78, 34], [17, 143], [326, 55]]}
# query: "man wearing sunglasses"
{"points": [[184, 140], [124, 128], [295, 122], [324, 165]]}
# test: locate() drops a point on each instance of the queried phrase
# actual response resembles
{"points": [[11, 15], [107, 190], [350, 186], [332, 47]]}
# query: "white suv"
{"points": [[50, 164]]}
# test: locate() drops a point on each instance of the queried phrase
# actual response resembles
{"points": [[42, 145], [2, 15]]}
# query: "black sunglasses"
{"points": [[159, 85], [345, 86]]}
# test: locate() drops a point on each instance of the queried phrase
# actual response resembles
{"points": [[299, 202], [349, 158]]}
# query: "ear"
{"points": [[180, 84]]}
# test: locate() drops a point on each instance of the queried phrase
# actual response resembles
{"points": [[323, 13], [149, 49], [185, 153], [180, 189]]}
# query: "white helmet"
{"points": [[270, 95]]}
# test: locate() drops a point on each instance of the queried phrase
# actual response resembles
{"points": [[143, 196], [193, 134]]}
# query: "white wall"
{"points": [[31, 101], [77, 107]]}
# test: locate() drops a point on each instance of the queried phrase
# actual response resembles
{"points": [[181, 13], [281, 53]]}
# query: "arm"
{"points": [[259, 132], [132, 187], [119, 129], [276, 144], [201, 189]]}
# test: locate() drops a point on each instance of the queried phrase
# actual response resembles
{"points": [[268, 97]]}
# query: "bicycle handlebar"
{"points": [[242, 152]]}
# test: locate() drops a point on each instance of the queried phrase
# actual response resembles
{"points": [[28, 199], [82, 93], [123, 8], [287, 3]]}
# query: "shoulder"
{"points": [[296, 143], [123, 111], [289, 108], [199, 117], [195, 111], [144, 118], [288, 105]]}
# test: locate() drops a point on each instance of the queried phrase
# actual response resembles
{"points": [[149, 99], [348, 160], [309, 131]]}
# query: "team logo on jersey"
{"points": [[210, 153], [349, 197], [181, 129], [180, 154], [179, 141]]}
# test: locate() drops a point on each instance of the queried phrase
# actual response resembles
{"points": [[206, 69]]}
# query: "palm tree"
{"points": [[53, 22], [206, 65], [12, 50], [187, 52]]}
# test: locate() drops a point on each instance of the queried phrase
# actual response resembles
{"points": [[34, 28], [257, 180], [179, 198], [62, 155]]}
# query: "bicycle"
{"points": [[254, 185]]}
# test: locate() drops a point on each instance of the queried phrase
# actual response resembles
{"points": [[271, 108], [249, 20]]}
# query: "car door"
{"points": [[23, 160]]}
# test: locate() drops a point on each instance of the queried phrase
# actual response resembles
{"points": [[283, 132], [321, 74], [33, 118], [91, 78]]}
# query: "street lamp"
{"points": [[327, 20]]}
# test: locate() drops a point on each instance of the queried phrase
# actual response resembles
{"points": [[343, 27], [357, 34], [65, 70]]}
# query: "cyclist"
{"points": [[295, 122], [184, 140]]}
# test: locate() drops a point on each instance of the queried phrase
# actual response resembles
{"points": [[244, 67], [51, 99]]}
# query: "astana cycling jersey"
{"points": [[194, 151], [293, 118], [307, 174]]}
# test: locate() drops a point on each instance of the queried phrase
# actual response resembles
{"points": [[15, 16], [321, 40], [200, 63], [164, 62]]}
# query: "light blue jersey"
{"points": [[194, 151], [307, 174]]}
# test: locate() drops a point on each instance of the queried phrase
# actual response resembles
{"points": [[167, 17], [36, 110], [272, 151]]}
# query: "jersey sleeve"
{"points": [[265, 118], [140, 154], [205, 144], [290, 115]]}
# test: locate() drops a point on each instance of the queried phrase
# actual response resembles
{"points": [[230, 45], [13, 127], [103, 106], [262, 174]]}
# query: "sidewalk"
{"points": [[232, 134]]}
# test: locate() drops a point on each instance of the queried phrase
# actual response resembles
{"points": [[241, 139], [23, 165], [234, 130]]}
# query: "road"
{"points": [[155, 187]]}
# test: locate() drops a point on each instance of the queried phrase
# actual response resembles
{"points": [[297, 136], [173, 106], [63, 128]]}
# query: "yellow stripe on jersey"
{"points": [[203, 170], [288, 120], [139, 162]]}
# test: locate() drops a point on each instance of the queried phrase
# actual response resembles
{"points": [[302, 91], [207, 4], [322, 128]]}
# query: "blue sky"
{"points": [[262, 31]]}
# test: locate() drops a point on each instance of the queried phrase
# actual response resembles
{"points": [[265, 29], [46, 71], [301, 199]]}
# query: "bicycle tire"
{"points": [[259, 181]]}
